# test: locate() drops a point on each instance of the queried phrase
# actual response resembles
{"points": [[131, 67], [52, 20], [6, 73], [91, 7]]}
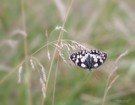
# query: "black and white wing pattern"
{"points": [[88, 59]]}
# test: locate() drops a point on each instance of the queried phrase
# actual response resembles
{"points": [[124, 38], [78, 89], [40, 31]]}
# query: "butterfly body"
{"points": [[88, 59]]}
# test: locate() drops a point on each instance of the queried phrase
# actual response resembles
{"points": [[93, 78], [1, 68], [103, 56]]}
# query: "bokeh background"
{"points": [[106, 25]]}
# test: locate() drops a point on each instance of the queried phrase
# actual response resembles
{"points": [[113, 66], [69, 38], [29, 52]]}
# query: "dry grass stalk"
{"points": [[60, 28], [32, 64], [48, 55], [19, 32], [42, 77], [61, 7], [62, 56], [43, 87], [42, 74], [78, 46], [69, 46], [111, 82], [58, 46], [19, 74], [11, 43]]}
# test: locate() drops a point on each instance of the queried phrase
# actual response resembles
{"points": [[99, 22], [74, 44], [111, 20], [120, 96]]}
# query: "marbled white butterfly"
{"points": [[88, 59]]}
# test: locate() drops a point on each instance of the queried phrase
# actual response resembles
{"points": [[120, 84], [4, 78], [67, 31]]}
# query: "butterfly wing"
{"points": [[80, 59], [88, 59]]}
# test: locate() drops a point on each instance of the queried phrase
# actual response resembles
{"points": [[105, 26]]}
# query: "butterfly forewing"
{"points": [[88, 59]]}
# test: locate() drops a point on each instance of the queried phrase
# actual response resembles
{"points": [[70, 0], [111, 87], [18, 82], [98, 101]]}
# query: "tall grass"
{"points": [[37, 38]]}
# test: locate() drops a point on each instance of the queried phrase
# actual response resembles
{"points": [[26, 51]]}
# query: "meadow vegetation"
{"points": [[37, 38]]}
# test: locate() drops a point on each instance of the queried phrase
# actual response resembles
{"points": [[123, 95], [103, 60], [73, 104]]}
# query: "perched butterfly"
{"points": [[88, 59]]}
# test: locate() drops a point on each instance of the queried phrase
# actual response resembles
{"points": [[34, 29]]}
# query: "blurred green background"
{"points": [[106, 25]]}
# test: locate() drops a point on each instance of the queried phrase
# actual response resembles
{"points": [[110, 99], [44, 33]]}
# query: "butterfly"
{"points": [[88, 59]]}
